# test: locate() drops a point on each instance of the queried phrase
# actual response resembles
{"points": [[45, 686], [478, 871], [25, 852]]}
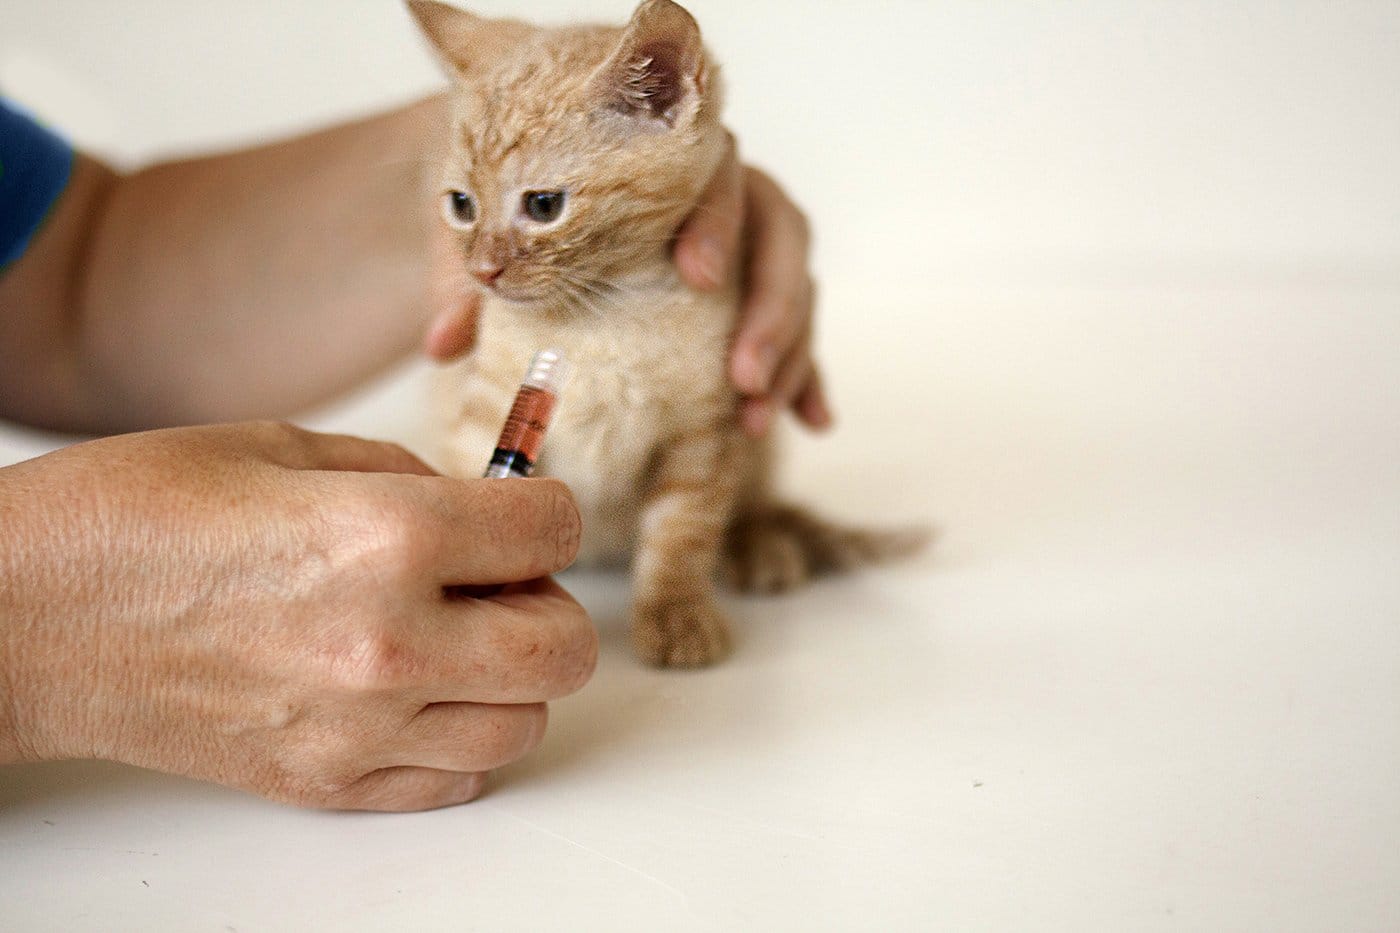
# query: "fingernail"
{"points": [[709, 261]]}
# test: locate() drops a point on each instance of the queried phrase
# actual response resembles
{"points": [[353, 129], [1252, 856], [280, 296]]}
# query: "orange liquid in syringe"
{"points": [[523, 435]]}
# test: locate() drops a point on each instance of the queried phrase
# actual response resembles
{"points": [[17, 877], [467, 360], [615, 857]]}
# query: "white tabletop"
{"points": [[1112, 296]]}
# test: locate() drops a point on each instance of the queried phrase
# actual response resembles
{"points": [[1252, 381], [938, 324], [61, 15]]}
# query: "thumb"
{"points": [[453, 331], [707, 245]]}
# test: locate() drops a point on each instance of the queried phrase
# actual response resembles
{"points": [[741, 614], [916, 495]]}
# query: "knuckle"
{"points": [[281, 432], [509, 734], [777, 310], [408, 542], [579, 663], [302, 785], [398, 453], [348, 792], [295, 446], [565, 522], [788, 323], [426, 790], [320, 765], [386, 537], [792, 324], [371, 662], [795, 380], [401, 797], [765, 312], [324, 794]]}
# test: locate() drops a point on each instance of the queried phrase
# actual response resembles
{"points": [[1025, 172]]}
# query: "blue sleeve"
{"points": [[34, 168]]}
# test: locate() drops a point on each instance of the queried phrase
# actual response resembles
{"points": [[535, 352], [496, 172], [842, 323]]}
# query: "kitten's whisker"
{"points": [[589, 294], [602, 292], [578, 303]]}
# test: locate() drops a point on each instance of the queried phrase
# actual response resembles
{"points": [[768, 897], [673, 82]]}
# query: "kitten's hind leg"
{"points": [[675, 620], [771, 547]]}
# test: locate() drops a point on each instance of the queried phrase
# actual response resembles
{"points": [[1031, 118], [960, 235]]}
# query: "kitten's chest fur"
{"points": [[647, 367]]}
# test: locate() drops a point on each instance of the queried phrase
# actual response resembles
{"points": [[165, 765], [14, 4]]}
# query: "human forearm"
{"points": [[40, 379], [259, 282], [264, 281]]}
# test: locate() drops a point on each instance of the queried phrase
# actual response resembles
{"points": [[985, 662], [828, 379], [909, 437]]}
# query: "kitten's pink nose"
{"points": [[487, 272]]}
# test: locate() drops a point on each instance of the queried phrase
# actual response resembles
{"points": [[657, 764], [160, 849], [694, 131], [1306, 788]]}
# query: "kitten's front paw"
{"points": [[676, 633]]}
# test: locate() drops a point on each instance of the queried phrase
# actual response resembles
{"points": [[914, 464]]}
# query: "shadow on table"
{"points": [[54, 786], [634, 716]]}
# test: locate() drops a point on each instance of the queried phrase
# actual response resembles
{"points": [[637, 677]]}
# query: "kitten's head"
{"points": [[575, 153]]}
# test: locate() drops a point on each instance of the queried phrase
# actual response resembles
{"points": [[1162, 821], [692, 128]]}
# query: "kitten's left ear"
{"points": [[456, 35], [657, 73]]}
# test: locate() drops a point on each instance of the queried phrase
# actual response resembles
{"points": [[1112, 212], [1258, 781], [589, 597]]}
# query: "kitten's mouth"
{"points": [[515, 296], [547, 298]]}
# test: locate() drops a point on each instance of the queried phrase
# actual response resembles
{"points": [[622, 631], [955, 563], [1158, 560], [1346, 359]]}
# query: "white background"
{"points": [[1111, 293]]}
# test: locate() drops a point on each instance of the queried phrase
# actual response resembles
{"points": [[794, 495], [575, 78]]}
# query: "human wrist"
{"points": [[31, 685], [14, 746]]}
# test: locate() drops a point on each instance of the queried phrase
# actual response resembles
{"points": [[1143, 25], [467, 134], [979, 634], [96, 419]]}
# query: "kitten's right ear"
{"points": [[456, 35], [657, 72]]}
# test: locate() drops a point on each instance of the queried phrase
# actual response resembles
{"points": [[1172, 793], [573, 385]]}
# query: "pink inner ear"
{"points": [[657, 65], [660, 85]]}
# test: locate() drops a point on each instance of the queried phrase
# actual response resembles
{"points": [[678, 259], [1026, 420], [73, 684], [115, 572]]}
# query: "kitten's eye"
{"points": [[543, 206], [459, 209]]}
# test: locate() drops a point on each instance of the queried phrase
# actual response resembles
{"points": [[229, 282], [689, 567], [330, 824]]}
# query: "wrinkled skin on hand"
{"points": [[266, 608]]}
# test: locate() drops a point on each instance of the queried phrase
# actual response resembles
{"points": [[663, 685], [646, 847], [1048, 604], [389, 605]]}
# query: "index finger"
{"points": [[708, 242], [453, 297], [499, 530], [775, 311], [453, 332]]}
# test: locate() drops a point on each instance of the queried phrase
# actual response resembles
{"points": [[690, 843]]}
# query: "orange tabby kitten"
{"points": [[575, 155]]}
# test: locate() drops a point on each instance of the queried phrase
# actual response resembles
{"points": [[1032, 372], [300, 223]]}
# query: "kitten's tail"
{"points": [[775, 547]]}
